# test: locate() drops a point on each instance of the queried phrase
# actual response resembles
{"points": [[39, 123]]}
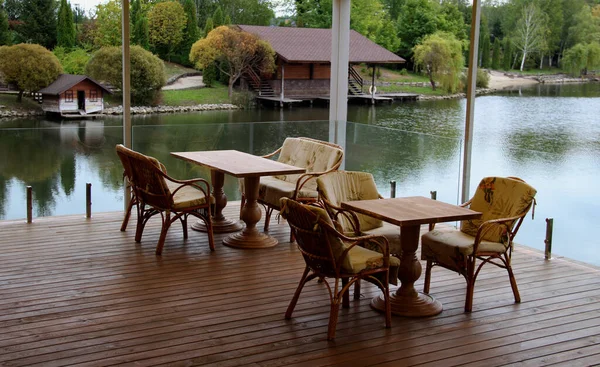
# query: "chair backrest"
{"points": [[147, 178], [499, 197], [314, 155], [339, 186], [315, 236]]}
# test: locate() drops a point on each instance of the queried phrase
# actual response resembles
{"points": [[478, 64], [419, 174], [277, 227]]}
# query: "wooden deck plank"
{"points": [[78, 291]]}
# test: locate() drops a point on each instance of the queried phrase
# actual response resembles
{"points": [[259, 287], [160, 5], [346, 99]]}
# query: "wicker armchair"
{"points": [[330, 254], [318, 157], [155, 192], [504, 202], [336, 187]]}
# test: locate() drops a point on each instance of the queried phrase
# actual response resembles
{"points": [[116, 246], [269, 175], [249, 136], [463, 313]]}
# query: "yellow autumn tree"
{"points": [[166, 23], [234, 52]]}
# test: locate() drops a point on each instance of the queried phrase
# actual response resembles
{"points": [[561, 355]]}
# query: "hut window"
{"points": [[69, 96], [93, 95]]}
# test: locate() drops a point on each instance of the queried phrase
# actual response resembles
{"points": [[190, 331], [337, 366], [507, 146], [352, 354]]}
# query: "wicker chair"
{"points": [[330, 254], [155, 192], [336, 187], [504, 202], [318, 157]]}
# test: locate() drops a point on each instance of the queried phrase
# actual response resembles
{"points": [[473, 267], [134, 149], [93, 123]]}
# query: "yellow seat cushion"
{"points": [[498, 197], [272, 189], [187, 196]]}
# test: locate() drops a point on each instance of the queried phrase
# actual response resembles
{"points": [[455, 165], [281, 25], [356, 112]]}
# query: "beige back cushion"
{"points": [[309, 154], [341, 186], [498, 197]]}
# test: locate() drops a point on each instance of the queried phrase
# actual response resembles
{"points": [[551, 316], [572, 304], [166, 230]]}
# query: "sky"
{"points": [[87, 4]]}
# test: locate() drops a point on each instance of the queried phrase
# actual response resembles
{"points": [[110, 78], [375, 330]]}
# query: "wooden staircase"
{"points": [[355, 83], [260, 86]]}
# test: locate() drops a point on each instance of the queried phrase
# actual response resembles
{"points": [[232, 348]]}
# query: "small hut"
{"points": [[74, 96]]}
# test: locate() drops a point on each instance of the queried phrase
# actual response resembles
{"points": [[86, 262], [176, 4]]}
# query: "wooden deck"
{"points": [[80, 292]]}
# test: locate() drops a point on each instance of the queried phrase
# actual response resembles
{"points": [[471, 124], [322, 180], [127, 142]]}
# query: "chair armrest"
{"points": [[272, 154], [305, 177], [198, 183], [486, 226], [335, 212]]}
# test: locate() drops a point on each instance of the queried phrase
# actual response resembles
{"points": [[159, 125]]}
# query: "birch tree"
{"points": [[529, 35]]}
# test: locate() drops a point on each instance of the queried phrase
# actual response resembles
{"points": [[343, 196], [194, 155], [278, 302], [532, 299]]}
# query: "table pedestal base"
{"points": [[250, 239], [220, 226], [419, 305]]}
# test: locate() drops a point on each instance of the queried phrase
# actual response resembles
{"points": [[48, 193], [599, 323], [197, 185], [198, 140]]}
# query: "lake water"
{"points": [[547, 135]]}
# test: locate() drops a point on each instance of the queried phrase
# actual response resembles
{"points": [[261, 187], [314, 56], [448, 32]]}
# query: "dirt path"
{"points": [[500, 80], [188, 82]]}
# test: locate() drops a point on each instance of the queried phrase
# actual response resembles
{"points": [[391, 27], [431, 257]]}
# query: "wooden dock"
{"points": [[80, 292]]}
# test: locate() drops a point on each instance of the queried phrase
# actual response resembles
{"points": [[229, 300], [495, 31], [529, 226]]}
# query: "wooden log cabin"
{"points": [[303, 59], [74, 96]]}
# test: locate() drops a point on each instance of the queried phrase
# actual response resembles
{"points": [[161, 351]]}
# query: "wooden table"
{"points": [[410, 213], [250, 168]]}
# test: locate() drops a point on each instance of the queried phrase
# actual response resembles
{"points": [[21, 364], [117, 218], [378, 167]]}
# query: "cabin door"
{"points": [[81, 100]]}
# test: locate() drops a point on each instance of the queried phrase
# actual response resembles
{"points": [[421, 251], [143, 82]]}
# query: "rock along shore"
{"points": [[142, 110]]}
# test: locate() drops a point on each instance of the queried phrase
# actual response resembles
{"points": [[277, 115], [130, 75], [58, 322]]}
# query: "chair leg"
{"points": [[242, 205], [163, 232], [386, 299], [183, 219], [346, 295], [357, 289], [127, 215], [141, 223], [333, 317], [513, 284], [209, 231], [470, 285], [427, 276], [292, 305], [268, 212]]}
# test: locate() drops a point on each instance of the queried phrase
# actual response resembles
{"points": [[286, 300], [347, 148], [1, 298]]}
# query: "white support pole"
{"points": [[471, 89], [340, 52], [282, 94], [127, 141], [126, 75]]}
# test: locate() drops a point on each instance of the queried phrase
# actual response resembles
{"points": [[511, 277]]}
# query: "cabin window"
{"points": [[69, 96], [93, 95]]}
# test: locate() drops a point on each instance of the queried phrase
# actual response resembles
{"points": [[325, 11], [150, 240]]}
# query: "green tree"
{"points": [[5, 35], [209, 26], [581, 58], [251, 12], [218, 17], [227, 20], [107, 30], [73, 62], [65, 32], [191, 31], [496, 55], [147, 71], [507, 52], [440, 56], [451, 20], [485, 53], [166, 23], [418, 18], [38, 25], [139, 33], [30, 67], [235, 52], [586, 28]]}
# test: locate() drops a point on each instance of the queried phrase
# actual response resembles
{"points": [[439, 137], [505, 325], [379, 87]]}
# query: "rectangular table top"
{"points": [[238, 164], [410, 211]]}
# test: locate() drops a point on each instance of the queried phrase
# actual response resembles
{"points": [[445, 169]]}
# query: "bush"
{"points": [[209, 75], [482, 81], [147, 71], [30, 67], [404, 72], [73, 62]]}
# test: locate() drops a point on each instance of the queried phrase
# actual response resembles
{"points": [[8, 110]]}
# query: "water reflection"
{"points": [[548, 135]]}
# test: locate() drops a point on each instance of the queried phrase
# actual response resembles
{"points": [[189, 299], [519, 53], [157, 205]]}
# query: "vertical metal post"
{"points": [[548, 240], [88, 200], [29, 204], [433, 195], [392, 189]]}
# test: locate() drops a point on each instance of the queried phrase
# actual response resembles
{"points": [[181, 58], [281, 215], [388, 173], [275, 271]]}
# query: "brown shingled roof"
{"points": [[314, 45], [66, 81]]}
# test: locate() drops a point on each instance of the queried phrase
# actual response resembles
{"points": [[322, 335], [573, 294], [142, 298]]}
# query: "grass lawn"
{"points": [[188, 97], [544, 71], [172, 69], [390, 75], [407, 89], [9, 101]]}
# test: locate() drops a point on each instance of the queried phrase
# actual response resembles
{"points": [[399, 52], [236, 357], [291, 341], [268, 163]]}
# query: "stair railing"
{"points": [[354, 76]]}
